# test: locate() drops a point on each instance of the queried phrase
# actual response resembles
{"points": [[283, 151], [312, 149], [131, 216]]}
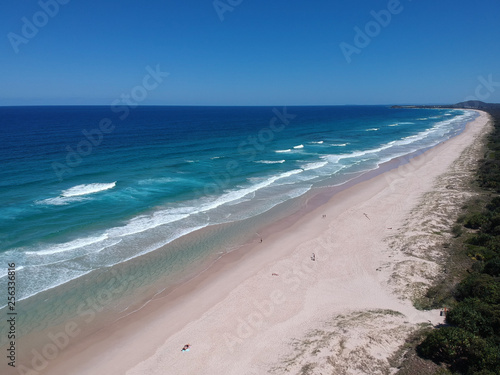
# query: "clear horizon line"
{"points": [[226, 105]]}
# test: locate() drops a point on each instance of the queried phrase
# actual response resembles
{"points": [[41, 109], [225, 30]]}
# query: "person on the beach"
{"points": [[313, 257], [186, 348]]}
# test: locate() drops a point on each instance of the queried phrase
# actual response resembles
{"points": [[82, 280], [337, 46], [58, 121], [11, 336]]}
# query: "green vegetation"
{"points": [[470, 343]]}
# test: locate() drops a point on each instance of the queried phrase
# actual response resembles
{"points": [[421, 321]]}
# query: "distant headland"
{"points": [[471, 104]]}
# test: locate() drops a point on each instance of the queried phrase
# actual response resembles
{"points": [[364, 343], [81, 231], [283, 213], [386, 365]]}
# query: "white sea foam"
{"points": [[61, 201], [393, 148], [111, 237], [340, 144], [5, 272], [282, 151], [146, 222], [55, 255], [62, 277], [72, 245], [299, 146], [372, 129], [438, 130], [315, 165], [166, 216], [393, 125], [234, 195], [270, 161], [357, 154], [86, 189], [318, 143], [77, 194], [231, 197]]}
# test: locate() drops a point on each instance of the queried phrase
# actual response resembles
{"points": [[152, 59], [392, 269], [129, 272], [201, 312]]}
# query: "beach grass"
{"points": [[472, 262]]}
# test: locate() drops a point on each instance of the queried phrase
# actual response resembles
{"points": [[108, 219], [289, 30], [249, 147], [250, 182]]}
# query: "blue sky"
{"points": [[280, 52]]}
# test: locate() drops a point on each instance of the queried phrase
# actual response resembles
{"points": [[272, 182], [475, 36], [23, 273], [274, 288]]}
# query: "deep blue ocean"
{"points": [[82, 188]]}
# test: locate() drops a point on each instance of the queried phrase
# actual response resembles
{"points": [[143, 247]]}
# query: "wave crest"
{"points": [[77, 194], [86, 189], [270, 161]]}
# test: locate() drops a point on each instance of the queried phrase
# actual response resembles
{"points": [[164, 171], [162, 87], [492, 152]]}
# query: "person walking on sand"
{"points": [[313, 257]]}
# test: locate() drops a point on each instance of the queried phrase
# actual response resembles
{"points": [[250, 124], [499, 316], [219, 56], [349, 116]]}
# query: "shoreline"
{"points": [[207, 293]]}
